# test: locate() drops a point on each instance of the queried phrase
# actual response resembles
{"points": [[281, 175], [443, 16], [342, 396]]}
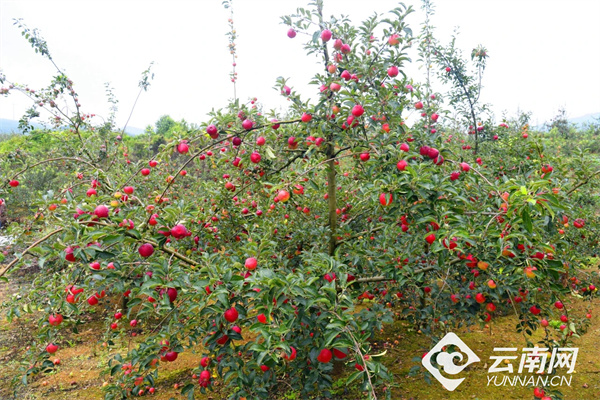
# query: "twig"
{"points": [[583, 182], [13, 262], [359, 352], [382, 278], [360, 234], [51, 160]]}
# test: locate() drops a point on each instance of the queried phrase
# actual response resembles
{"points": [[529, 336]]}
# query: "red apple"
{"points": [[535, 310], [292, 356], [358, 110], [92, 300], [283, 195], [101, 211], [55, 320], [433, 153], [564, 318], [386, 199], [558, 305], [251, 263], [430, 238], [255, 157], [171, 356], [538, 392], [146, 250], [324, 356], [183, 147], [204, 379], [51, 348], [212, 131], [172, 293], [339, 354], [292, 142], [247, 124], [231, 314], [179, 231]]}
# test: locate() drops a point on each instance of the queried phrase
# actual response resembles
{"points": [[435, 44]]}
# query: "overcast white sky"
{"points": [[544, 54]]}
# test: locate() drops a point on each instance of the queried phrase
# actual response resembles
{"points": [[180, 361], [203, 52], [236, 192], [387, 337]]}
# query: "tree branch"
{"points": [[382, 278], [16, 260], [586, 180]]}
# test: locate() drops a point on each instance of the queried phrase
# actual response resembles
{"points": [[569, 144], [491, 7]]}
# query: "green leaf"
{"points": [[187, 388], [572, 327], [270, 153], [330, 338], [115, 369], [527, 220], [135, 233]]}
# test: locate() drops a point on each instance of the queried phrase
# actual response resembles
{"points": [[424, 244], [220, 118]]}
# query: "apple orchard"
{"points": [[274, 246]]}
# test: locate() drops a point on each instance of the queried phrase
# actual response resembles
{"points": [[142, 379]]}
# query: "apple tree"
{"points": [[275, 246]]}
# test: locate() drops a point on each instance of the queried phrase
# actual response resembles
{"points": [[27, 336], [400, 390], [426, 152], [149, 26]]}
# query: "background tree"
{"points": [[560, 124], [164, 125]]}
